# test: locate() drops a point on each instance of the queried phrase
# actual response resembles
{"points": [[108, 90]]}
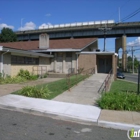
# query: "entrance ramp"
{"points": [[86, 92]]}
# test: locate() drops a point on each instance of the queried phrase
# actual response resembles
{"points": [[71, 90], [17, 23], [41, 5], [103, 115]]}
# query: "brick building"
{"points": [[58, 55]]}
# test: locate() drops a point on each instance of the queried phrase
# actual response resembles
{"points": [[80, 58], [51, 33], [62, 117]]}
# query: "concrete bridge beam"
{"points": [[121, 43]]}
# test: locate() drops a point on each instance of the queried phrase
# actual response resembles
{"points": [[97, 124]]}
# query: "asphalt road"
{"points": [[131, 77], [20, 126]]}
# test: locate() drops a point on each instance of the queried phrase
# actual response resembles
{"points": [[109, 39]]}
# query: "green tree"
{"points": [[136, 62], [7, 35], [130, 63]]}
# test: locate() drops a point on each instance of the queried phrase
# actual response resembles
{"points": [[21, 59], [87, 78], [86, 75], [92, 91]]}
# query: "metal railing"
{"points": [[106, 84], [39, 70], [81, 72]]}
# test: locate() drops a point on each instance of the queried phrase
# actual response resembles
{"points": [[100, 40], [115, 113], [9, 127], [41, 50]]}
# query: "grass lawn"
{"points": [[122, 96], [123, 86], [59, 86]]}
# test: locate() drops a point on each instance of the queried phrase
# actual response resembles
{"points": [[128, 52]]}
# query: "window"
{"points": [[59, 54], [68, 54], [24, 60]]}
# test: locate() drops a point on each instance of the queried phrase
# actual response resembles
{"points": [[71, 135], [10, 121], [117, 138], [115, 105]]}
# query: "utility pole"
{"points": [[105, 29], [138, 90], [21, 24]]}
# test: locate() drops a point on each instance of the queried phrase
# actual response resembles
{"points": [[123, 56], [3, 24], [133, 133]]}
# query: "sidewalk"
{"points": [[74, 112], [9, 88]]}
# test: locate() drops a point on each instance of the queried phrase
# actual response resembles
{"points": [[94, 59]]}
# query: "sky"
{"points": [[33, 14]]}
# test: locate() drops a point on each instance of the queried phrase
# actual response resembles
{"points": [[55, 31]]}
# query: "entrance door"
{"points": [[104, 65], [101, 66], [59, 65]]}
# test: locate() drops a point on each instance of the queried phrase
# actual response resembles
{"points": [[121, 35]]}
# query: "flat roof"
{"points": [[99, 53]]}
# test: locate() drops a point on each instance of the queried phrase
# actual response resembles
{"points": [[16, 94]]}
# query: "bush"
{"points": [[35, 92], [120, 101], [26, 74]]}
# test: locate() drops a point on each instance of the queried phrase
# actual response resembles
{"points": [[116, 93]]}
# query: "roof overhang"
{"points": [[58, 50], [5, 49], [99, 53]]}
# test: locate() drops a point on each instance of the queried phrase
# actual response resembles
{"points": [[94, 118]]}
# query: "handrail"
{"points": [[104, 86]]}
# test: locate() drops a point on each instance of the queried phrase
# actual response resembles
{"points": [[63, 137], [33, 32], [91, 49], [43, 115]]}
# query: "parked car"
{"points": [[120, 75]]}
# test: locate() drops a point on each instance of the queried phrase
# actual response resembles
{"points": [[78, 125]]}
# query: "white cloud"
{"points": [[48, 15], [2, 25], [44, 25], [28, 26], [136, 42]]}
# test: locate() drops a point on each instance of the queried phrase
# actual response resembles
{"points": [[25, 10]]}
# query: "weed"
{"points": [[34, 91]]}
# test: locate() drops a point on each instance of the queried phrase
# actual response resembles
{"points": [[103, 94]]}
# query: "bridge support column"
{"points": [[121, 43]]}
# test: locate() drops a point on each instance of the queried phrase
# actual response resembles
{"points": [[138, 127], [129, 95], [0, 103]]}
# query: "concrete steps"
{"points": [[56, 75]]}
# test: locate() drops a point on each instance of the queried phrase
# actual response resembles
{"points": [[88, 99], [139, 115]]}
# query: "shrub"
{"points": [[33, 77], [24, 73], [120, 101], [45, 75], [33, 91]]}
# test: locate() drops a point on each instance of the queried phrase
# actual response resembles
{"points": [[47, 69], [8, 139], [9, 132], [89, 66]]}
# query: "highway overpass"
{"points": [[88, 29]]}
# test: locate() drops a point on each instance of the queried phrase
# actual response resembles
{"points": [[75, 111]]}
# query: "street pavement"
{"points": [[131, 77], [22, 126], [87, 114]]}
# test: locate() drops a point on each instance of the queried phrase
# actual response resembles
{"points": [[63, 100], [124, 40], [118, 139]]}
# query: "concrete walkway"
{"points": [[9, 88], [86, 92]]}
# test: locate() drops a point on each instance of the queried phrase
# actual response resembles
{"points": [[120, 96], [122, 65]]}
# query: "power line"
{"points": [[129, 50], [131, 15]]}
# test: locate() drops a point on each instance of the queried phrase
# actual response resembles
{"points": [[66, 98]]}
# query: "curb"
{"points": [[117, 125], [53, 115], [127, 81]]}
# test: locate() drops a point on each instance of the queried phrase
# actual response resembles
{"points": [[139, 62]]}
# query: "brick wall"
{"points": [[87, 61]]}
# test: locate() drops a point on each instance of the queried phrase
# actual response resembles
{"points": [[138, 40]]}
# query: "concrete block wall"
{"points": [[0, 60], [16, 68], [7, 63], [64, 64]]}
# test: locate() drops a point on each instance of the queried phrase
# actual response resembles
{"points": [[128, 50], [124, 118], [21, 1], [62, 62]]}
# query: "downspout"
{"points": [[77, 64], [1, 68]]}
